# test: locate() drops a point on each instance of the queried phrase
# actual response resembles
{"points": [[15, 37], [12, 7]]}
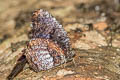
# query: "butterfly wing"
{"points": [[43, 54], [46, 26]]}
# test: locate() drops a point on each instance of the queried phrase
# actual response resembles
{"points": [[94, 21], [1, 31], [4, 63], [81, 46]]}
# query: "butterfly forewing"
{"points": [[46, 26]]}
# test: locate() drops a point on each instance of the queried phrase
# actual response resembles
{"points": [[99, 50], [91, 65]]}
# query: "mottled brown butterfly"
{"points": [[49, 45]]}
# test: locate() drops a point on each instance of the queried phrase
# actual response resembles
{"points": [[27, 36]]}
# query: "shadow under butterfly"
{"points": [[49, 45]]}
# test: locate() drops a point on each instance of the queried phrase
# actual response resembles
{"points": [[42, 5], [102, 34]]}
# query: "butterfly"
{"points": [[49, 45]]}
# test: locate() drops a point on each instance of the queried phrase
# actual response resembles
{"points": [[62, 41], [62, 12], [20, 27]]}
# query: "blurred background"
{"points": [[16, 14], [92, 25]]}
